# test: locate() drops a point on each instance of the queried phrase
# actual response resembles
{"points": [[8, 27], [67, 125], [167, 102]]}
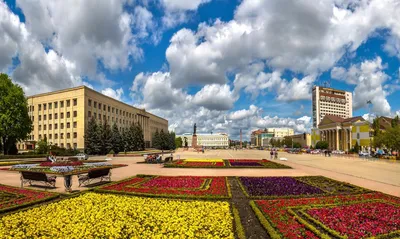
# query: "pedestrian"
{"points": [[325, 152], [271, 154]]}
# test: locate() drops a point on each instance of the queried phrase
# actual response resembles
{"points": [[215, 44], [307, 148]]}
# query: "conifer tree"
{"points": [[156, 140], [105, 138], [116, 139], [139, 137], [92, 138]]}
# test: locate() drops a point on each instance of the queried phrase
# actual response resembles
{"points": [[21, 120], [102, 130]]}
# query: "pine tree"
{"points": [[172, 143], [130, 138], [105, 138], [139, 138], [124, 136], [156, 140], [116, 139], [92, 138]]}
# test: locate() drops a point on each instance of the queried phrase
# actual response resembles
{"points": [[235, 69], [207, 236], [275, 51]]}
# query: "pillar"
{"points": [[337, 139]]}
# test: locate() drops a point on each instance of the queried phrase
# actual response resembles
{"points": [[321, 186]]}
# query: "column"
{"points": [[337, 139]]}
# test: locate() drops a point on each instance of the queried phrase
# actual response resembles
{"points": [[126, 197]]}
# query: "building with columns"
{"points": [[215, 140], [62, 117], [342, 134]]}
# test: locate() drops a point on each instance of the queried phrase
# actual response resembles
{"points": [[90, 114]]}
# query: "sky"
{"points": [[223, 64]]}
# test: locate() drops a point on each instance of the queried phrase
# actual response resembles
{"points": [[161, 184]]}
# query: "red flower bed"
{"points": [[51, 164], [200, 164], [354, 216], [12, 197], [170, 186]]}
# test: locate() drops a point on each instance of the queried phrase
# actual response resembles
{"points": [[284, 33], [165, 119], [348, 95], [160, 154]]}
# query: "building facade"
{"points": [[262, 138], [62, 117], [329, 101], [303, 139], [217, 140]]}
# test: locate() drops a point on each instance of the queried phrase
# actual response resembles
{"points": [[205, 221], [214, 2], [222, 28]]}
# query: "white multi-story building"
{"points": [[329, 101], [218, 140]]}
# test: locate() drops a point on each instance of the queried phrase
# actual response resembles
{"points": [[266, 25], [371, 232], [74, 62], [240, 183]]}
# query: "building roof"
{"points": [[338, 119]]}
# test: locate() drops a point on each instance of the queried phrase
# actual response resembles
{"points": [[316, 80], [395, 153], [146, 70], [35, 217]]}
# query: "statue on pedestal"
{"points": [[194, 129]]}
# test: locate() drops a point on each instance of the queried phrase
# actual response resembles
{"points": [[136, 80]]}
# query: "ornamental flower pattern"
{"points": [[172, 186], [277, 186]]}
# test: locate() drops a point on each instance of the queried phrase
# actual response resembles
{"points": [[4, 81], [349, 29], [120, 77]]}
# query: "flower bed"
{"points": [[351, 216], [276, 186], [65, 170], [115, 216], [170, 186], [13, 198], [231, 163], [273, 187], [66, 163]]}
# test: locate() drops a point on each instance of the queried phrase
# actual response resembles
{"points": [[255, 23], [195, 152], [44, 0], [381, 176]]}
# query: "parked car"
{"points": [[82, 156], [363, 154]]}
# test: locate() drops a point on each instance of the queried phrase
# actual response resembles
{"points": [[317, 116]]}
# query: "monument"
{"points": [[194, 138]]}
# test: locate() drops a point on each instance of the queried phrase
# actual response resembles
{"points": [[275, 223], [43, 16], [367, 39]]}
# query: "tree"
{"points": [[156, 140], [178, 142], [376, 126], [172, 144], [105, 138], [15, 123], [164, 139], [392, 138], [288, 141], [296, 145], [124, 136], [272, 142], [92, 138], [322, 145], [395, 121], [356, 147], [139, 138], [116, 139]]}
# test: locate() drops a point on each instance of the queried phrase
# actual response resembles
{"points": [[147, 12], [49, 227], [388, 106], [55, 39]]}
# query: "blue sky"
{"points": [[225, 65]]}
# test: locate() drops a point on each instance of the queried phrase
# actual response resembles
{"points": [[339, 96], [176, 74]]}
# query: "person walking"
{"points": [[271, 154]]}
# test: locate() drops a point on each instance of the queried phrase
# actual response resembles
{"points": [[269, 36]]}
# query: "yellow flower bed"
{"points": [[115, 216], [204, 160]]}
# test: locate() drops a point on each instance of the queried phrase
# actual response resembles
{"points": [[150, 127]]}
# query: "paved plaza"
{"points": [[383, 176]]}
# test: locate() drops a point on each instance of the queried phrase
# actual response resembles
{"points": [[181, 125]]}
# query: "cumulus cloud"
{"points": [[215, 97], [179, 11], [116, 94]]}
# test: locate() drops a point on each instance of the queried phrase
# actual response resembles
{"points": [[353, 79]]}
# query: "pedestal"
{"points": [[194, 141]]}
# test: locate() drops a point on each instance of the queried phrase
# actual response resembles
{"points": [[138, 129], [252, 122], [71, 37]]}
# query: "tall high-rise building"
{"points": [[329, 101], [62, 117]]}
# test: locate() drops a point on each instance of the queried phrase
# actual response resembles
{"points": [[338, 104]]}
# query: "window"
{"points": [[75, 145], [90, 102], [56, 136], [68, 125], [50, 116], [68, 145], [50, 105], [109, 108], [68, 114], [62, 115], [104, 107], [75, 124], [44, 117], [104, 117], [95, 104], [75, 135], [68, 135], [33, 108], [50, 136], [120, 121], [61, 104], [44, 106], [75, 113], [33, 137], [55, 105], [55, 126], [112, 119], [113, 110], [108, 118], [62, 136], [44, 127], [55, 116], [40, 136], [40, 127], [33, 118], [40, 107], [68, 103], [50, 127], [116, 111], [89, 114], [62, 125], [99, 106], [75, 102]]}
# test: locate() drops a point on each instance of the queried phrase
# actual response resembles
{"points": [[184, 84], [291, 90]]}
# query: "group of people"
{"points": [[327, 152], [274, 154], [154, 158]]}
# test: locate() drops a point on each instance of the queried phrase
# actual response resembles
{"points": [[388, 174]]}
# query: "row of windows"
{"points": [[75, 114], [98, 105], [50, 105], [98, 116], [75, 124], [50, 136]]}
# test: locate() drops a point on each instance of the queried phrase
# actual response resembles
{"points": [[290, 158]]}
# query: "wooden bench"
{"points": [[103, 174], [29, 177]]}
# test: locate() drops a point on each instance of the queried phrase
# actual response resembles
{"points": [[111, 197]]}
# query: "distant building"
{"points": [[217, 140], [303, 139], [62, 117], [329, 101], [262, 138]]}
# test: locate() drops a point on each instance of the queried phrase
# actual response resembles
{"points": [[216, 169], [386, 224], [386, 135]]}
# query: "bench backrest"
{"points": [[98, 173], [34, 176]]}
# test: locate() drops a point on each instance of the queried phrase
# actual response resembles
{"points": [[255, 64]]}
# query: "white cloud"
{"points": [[179, 11], [215, 97], [116, 94]]}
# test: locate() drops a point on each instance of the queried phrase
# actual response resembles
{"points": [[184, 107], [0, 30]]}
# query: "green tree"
{"points": [[139, 138], [376, 126], [164, 139], [124, 136], [130, 138], [172, 143], [296, 145], [392, 138], [395, 121], [178, 142], [15, 123], [156, 140], [43, 146], [356, 147], [322, 145], [92, 138], [105, 138], [272, 142], [288, 141], [116, 139]]}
